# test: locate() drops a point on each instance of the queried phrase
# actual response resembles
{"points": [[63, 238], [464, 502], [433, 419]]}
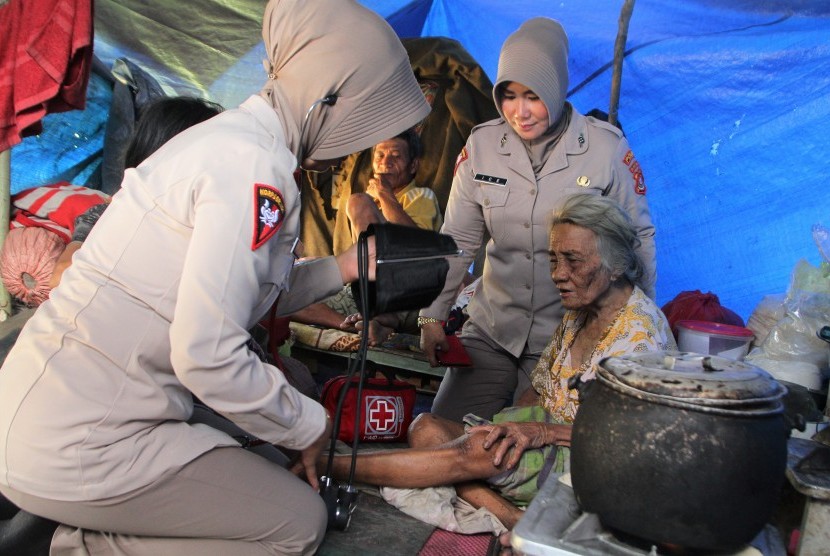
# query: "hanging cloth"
{"points": [[45, 62]]}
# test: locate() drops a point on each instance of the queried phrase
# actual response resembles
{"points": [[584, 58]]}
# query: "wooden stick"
{"points": [[619, 54], [5, 208]]}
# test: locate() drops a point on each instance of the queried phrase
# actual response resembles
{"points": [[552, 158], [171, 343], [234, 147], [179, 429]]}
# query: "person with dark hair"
{"points": [[391, 196], [156, 308], [512, 173], [160, 120], [500, 464]]}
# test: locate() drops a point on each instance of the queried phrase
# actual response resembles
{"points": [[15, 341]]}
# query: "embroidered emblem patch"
{"points": [[462, 156], [636, 173], [269, 215]]}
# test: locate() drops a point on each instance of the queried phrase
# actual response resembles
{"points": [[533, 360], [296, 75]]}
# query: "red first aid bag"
{"points": [[387, 408]]}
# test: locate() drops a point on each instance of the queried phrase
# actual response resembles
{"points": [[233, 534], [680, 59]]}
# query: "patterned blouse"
{"points": [[640, 326]]}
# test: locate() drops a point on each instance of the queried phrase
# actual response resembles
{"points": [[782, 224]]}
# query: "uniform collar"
{"points": [[573, 141]]}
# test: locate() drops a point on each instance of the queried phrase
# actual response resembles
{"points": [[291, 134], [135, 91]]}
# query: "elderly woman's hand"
{"points": [[515, 438]]}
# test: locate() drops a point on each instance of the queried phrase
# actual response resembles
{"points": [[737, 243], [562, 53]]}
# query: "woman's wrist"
{"points": [[423, 321]]}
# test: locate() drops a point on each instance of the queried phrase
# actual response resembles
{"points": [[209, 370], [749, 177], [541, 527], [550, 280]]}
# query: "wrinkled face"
{"points": [[576, 267], [391, 164], [524, 111]]}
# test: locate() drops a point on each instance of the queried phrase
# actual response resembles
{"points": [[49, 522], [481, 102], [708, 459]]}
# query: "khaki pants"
{"points": [[226, 502], [495, 380]]}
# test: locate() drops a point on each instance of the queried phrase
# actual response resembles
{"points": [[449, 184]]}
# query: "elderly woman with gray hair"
{"points": [[595, 267]]}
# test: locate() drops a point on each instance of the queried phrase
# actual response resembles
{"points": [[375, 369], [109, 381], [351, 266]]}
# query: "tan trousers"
{"points": [[495, 380], [226, 502]]}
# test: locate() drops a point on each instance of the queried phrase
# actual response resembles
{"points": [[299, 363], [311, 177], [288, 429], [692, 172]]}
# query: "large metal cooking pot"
{"points": [[680, 449]]}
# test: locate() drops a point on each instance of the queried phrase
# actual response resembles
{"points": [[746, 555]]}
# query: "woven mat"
{"points": [[444, 543]]}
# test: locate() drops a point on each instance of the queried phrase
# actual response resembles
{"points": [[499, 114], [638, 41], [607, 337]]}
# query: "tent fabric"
{"points": [[724, 104], [133, 89], [45, 62]]}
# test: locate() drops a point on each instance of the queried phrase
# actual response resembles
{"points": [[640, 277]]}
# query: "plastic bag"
{"points": [[806, 310]]}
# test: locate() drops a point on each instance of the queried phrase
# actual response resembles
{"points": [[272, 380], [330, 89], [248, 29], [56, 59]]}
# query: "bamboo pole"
{"points": [[5, 207], [619, 54]]}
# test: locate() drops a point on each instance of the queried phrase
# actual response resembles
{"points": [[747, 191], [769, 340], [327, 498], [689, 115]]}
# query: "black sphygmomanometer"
{"points": [[411, 267]]}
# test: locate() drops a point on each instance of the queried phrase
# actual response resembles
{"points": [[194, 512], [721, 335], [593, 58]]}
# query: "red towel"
{"points": [[45, 62]]}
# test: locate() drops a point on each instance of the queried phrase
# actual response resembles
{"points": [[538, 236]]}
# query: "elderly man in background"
{"points": [[391, 196]]}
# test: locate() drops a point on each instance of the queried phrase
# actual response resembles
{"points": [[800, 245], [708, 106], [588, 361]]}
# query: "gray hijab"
{"points": [[536, 55], [318, 48]]}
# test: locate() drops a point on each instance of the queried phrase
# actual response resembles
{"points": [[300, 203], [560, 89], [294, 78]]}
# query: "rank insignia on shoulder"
{"points": [[483, 178], [269, 213]]}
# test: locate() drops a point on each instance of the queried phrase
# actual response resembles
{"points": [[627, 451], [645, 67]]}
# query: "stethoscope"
{"points": [[328, 100]]}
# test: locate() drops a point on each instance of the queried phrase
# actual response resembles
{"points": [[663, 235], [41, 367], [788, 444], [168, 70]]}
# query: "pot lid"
{"points": [[692, 377], [716, 328]]}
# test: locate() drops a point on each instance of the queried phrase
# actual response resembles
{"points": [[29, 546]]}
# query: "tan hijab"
{"points": [[536, 55], [321, 47]]}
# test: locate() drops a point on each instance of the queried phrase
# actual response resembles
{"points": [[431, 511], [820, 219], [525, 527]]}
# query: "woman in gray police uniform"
{"points": [[193, 250], [511, 175]]}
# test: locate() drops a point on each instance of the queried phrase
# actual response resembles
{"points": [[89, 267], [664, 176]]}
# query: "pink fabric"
{"points": [[444, 543], [45, 62]]}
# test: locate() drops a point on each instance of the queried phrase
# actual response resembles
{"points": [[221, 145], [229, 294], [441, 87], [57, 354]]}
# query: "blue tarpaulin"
{"points": [[724, 104]]}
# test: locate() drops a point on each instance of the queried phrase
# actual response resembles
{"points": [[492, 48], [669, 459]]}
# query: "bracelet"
{"points": [[427, 320]]}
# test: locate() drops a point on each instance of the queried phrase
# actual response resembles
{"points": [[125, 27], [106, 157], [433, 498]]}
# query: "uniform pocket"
{"points": [[493, 204]]}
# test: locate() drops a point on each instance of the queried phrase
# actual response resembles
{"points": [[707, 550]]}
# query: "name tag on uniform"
{"points": [[490, 179]]}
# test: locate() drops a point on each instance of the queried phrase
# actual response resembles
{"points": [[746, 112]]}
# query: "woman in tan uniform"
{"points": [[512, 174], [194, 249]]}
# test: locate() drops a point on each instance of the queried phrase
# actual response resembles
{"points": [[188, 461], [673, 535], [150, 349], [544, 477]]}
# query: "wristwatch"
{"points": [[426, 320]]}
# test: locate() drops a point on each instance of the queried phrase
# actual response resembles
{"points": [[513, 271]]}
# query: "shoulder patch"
{"points": [[269, 213], [636, 173], [462, 156]]}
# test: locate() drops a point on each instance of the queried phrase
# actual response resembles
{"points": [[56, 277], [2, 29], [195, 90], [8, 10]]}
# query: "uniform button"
{"points": [[527, 315], [527, 286], [527, 224], [533, 192], [486, 202], [527, 256]]}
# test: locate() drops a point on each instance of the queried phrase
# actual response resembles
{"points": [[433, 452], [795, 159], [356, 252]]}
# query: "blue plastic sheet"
{"points": [[70, 146]]}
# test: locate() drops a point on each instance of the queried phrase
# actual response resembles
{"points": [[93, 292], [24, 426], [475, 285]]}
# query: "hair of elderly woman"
{"points": [[617, 239]]}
